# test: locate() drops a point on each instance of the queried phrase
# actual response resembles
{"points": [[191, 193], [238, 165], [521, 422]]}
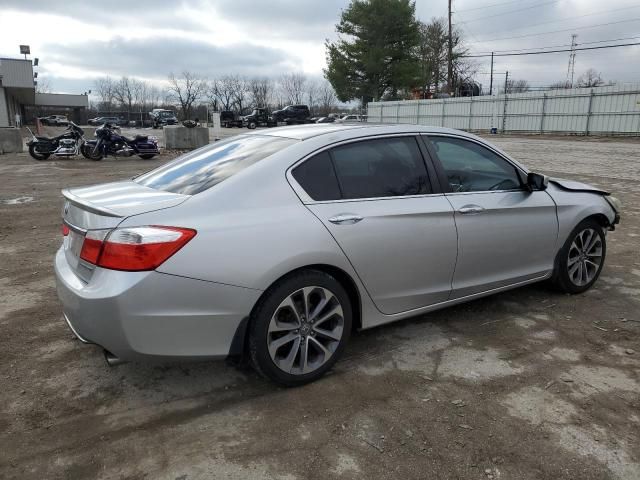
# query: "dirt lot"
{"points": [[528, 384]]}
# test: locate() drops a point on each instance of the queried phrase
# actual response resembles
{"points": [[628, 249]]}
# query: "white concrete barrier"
{"points": [[182, 138]]}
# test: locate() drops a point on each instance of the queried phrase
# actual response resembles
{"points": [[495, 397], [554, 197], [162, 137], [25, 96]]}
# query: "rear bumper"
{"points": [[138, 315]]}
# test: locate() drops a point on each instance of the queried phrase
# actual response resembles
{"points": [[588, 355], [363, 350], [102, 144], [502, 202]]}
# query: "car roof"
{"points": [[303, 132]]}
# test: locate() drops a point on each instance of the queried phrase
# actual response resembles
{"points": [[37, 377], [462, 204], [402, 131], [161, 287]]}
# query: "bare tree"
{"points": [[123, 93], [105, 88], [260, 89], [43, 86], [517, 86], [313, 94], [590, 78], [326, 98], [220, 92], [292, 86], [240, 91], [186, 90], [560, 85]]}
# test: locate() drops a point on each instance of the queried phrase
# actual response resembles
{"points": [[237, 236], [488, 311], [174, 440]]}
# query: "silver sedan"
{"points": [[275, 245]]}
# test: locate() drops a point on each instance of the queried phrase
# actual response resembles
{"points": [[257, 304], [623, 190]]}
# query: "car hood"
{"points": [[577, 186]]}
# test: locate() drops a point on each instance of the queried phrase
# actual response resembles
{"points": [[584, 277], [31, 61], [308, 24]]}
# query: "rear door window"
{"points": [[385, 167], [207, 166]]}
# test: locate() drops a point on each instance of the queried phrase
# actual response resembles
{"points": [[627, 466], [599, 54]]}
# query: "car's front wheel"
{"points": [[581, 258], [300, 328]]}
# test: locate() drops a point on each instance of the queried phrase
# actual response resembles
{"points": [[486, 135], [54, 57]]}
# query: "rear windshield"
{"points": [[207, 166]]}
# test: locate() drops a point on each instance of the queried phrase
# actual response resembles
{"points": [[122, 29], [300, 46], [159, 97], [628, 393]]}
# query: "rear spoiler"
{"points": [[88, 206]]}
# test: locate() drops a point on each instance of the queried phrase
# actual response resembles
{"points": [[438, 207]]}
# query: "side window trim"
{"points": [[442, 176]]}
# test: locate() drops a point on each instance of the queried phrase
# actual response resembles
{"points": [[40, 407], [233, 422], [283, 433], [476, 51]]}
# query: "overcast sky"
{"points": [[77, 40]]}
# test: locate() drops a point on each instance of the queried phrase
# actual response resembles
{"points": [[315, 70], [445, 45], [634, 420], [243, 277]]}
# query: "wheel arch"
{"points": [[239, 345]]}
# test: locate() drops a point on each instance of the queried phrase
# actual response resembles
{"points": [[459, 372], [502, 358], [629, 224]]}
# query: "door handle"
{"points": [[345, 219], [470, 210]]}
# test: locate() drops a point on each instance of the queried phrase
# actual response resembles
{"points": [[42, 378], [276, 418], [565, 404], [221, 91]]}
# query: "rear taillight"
{"points": [[65, 230], [134, 248]]}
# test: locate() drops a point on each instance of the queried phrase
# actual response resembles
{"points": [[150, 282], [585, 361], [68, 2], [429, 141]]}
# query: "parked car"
{"points": [[161, 117], [292, 114], [119, 121], [259, 117], [326, 120], [277, 244], [353, 118], [55, 120], [229, 119]]}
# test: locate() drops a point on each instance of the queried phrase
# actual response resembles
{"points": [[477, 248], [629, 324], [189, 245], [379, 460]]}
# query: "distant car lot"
{"points": [[492, 386]]}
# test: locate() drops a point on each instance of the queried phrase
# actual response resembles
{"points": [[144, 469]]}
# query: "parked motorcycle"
{"points": [[111, 142], [68, 144]]}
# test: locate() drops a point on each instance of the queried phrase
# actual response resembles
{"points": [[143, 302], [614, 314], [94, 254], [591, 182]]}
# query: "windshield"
{"points": [[207, 166], [166, 114]]}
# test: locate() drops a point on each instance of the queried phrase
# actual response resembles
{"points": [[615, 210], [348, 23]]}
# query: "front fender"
{"points": [[573, 206]]}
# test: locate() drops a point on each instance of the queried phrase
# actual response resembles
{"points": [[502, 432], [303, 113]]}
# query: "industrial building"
{"points": [[18, 96]]}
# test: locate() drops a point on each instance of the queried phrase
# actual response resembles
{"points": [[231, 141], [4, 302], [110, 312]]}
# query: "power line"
{"points": [[560, 31], [569, 18], [559, 46], [488, 6], [552, 51], [511, 11]]}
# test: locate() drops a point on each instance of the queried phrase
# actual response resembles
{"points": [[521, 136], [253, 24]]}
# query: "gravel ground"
{"points": [[527, 384]]}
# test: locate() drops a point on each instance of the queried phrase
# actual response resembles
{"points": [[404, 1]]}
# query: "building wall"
{"points": [[16, 73], [4, 114], [613, 110]]}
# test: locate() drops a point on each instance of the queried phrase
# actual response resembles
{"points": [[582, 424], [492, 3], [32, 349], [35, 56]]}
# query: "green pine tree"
{"points": [[375, 56]]}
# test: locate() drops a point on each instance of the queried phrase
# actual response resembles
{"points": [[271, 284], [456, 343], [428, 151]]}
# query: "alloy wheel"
{"points": [[305, 330], [585, 257]]}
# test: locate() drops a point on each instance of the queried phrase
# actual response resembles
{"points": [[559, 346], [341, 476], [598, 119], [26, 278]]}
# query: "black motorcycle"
{"points": [[66, 145], [111, 142]]}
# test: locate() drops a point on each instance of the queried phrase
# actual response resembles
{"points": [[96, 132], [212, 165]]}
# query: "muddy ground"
{"points": [[528, 384]]}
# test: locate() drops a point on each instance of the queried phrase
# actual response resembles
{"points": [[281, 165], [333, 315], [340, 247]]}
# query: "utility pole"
{"points": [[506, 81], [450, 63], [491, 81], [572, 59]]}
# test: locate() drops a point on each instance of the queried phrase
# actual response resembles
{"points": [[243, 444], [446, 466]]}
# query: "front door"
{"points": [[506, 234], [397, 233]]}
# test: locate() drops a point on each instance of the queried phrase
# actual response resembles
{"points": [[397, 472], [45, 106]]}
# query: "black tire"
{"points": [[562, 278], [251, 125], [261, 318], [147, 156], [87, 152], [37, 155]]}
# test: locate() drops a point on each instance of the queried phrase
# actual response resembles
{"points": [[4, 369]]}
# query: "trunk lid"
{"points": [[103, 207]]}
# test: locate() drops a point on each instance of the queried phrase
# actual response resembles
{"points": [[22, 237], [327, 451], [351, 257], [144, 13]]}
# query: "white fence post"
{"points": [[586, 130], [544, 107], [418, 113], [504, 113], [470, 111]]}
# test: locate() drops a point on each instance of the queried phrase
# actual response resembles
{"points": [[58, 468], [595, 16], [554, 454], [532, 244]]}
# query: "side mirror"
{"points": [[535, 181]]}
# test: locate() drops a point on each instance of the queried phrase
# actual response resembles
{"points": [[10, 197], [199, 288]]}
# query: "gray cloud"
{"points": [[156, 57]]}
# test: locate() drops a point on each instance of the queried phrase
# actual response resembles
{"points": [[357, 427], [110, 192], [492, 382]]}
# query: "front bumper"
{"points": [[137, 315]]}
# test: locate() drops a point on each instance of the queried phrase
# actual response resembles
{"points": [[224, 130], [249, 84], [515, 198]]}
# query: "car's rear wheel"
{"points": [[300, 328], [581, 258]]}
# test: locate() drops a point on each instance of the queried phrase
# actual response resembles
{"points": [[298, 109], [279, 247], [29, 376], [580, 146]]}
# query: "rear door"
{"points": [[376, 198], [506, 234]]}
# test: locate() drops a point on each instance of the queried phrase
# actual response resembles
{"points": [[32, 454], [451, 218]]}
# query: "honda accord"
{"points": [[277, 244]]}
